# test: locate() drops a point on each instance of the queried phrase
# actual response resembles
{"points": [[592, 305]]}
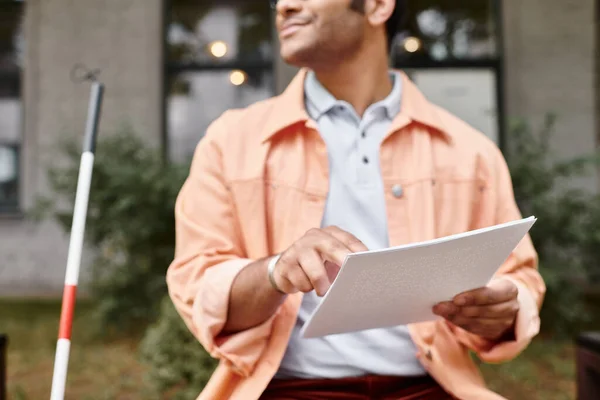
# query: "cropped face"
{"points": [[320, 32]]}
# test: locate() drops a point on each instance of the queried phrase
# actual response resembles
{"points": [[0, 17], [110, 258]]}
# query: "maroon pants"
{"points": [[360, 388]]}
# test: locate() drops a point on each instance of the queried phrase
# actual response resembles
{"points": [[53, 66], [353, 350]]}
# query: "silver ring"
{"points": [[271, 270]]}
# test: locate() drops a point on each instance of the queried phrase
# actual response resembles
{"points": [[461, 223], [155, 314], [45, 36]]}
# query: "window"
{"points": [[11, 50], [219, 56], [448, 30], [452, 51]]}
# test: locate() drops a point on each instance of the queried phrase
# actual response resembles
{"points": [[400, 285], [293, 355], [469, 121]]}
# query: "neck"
{"points": [[360, 81]]}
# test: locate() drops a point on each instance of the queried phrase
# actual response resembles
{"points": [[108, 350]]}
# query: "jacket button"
{"points": [[397, 191]]}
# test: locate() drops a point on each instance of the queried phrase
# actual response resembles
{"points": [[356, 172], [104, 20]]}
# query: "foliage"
{"points": [[130, 224], [176, 358], [567, 233]]}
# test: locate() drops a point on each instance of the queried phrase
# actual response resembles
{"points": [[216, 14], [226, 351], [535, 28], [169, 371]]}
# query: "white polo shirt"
{"points": [[356, 204]]}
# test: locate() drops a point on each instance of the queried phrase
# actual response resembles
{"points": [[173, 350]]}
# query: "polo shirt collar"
{"points": [[320, 101], [288, 109]]}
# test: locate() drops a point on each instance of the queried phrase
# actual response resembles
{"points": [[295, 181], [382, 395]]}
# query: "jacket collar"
{"points": [[288, 109]]}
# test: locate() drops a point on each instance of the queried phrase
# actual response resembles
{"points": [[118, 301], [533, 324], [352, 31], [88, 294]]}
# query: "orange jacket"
{"points": [[259, 180]]}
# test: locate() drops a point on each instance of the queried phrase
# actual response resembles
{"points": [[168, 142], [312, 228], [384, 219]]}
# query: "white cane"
{"points": [[61, 361]]}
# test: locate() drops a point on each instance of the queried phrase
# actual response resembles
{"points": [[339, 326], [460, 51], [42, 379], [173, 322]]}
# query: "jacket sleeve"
{"points": [[521, 268], [209, 253]]}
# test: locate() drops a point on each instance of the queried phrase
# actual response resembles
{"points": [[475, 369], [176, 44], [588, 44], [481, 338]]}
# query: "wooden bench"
{"points": [[588, 366]]}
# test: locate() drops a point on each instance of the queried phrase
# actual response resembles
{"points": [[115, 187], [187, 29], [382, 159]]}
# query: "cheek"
{"points": [[340, 32]]}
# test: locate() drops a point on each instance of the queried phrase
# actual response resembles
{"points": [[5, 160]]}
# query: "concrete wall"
{"points": [[550, 61], [122, 38]]}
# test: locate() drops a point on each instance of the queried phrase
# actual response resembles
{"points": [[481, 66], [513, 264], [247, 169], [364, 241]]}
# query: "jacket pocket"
{"points": [[290, 212], [458, 204]]}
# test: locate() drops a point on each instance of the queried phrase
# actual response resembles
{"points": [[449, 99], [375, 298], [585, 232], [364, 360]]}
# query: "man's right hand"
{"points": [[313, 261]]}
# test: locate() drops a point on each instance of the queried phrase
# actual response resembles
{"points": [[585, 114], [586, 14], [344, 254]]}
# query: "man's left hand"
{"points": [[489, 312]]}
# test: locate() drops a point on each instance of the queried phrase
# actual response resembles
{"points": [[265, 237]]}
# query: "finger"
{"points": [[299, 279], [330, 248], [332, 271], [494, 311], [493, 331], [284, 284], [351, 241], [314, 267], [488, 328], [280, 276], [446, 310], [499, 291], [289, 276]]}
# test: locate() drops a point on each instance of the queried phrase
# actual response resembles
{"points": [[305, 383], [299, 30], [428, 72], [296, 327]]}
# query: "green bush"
{"points": [[130, 224], [177, 360], [567, 233]]}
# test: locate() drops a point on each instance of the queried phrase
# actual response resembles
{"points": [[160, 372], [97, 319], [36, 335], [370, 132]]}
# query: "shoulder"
{"points": [[242, 125], [469, 149], [234, 141], [464, 135], [467, 140]]}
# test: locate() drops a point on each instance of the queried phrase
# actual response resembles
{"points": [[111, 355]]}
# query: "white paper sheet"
{"points": [[399, 286]]}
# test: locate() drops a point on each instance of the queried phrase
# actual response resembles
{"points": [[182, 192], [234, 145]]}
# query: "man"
{"points": [[351, 157]]}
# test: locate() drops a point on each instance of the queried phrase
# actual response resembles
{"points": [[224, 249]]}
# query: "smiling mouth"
{"points": [[290, 29]]}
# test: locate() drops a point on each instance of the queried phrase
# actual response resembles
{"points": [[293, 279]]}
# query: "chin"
{"points": [[291, 60], [298, 57]]}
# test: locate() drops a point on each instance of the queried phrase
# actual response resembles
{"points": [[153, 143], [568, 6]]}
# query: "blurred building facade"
{"points": [[172, 66]]}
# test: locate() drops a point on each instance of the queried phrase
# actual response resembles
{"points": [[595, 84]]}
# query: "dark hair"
{"points": [[394, 24]]}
